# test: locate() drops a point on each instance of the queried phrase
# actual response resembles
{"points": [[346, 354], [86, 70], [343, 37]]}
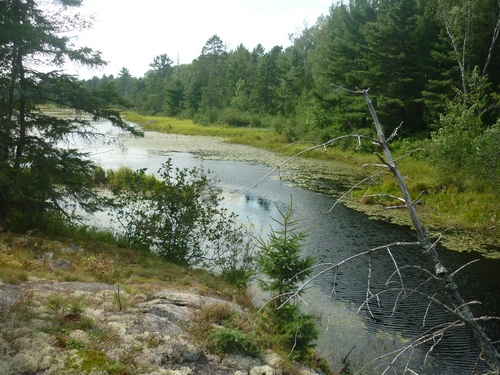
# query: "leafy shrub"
{"points": [[179, 218], [465, 149], [233, 117]]}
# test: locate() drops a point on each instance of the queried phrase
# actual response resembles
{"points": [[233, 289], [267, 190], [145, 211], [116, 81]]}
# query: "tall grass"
{"points": [[258, 137], [122, 177]]}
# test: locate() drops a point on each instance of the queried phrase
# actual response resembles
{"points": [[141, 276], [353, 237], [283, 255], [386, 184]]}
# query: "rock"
{"points": [[70, 249], [47, 257], [9, 295], [140, 298], [152, 336], [192, 300], [272, 359], [60, 264]]}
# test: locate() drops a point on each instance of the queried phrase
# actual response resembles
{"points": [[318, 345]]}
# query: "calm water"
{"points": [[337, 295]]}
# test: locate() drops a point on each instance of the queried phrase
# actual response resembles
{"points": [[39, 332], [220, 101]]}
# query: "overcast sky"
{"points": [[130, 33]]}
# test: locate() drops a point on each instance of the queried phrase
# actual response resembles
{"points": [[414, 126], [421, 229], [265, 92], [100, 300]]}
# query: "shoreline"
{"points": [[327, 177]]}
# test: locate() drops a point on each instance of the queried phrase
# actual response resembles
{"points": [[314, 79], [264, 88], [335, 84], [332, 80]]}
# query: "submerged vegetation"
{"points": [[471, 213]]}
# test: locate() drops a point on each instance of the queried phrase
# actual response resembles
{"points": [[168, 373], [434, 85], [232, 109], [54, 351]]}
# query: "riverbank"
{"points": [[88, 307], [468, 221]]}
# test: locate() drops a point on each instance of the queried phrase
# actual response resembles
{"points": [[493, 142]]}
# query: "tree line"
{"points": [[411, 54], [422, 60]]}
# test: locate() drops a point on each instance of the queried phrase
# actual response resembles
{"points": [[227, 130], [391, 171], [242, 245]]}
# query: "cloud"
{"points": [[131, 33]]}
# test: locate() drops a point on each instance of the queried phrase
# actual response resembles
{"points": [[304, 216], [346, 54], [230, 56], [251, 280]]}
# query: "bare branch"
{"points": [[386, 196], [427, 311], [354, 187], [397, 268], [494, 38], [287, 160], [332, 266], [464, 266], [347, 90], [394, 133]]}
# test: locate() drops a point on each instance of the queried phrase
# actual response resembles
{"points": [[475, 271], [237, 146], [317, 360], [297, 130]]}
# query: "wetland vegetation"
{"points": [[470, 214]]}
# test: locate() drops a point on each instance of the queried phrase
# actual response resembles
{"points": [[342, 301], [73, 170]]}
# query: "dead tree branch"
{"points": [[477, 332]]}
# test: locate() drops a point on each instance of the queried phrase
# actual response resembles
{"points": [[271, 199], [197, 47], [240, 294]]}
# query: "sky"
{"points": [[130, 33]]}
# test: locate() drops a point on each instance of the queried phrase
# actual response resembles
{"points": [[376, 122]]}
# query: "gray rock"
{"points": [[47, 257], [60, 264], [154, 334], [9, 295]]}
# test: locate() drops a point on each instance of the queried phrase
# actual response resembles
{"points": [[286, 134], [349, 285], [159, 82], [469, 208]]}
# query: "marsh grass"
{"points": [[442, 205]]}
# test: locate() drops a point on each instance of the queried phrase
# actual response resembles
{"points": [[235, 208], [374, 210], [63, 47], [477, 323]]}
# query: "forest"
{"points": [[431, 67]]}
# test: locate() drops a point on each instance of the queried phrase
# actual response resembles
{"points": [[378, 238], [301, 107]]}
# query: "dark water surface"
{"points": [[337, 295]]}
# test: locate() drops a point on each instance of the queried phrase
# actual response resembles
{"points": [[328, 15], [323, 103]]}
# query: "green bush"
{"points": [[179, 218], [226, 340], [465, 149]]}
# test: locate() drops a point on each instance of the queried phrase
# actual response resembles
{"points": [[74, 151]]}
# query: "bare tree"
{"points": [[459, 309]]}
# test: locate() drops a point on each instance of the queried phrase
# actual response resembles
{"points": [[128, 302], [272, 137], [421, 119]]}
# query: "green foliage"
{"points": [[180, 218], [99, 177], [119, 179], [283, 270], [227, 340], [465, 148], [39, 171]]}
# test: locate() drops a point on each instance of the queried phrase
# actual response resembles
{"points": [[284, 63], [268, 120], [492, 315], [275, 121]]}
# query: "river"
{"points": [[336, 296]]}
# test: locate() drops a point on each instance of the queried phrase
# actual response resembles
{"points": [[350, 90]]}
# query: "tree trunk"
{"points": [[489, 352]]}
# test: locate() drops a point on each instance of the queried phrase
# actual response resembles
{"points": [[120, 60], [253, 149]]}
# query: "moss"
{"points": [[93, 359]]}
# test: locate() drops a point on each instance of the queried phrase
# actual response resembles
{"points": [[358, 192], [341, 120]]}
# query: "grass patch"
{"points": [[95, 261]]}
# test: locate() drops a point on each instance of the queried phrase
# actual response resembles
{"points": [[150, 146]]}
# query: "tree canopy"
{"points": [[409, 53]]}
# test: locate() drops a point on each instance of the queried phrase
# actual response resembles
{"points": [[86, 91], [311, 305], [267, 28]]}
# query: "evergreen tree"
{"points": [[125, 84], [37, 173], [284, 269], [213, 57], [344, 63], [157, 79], [266, 83], [394, 67]]}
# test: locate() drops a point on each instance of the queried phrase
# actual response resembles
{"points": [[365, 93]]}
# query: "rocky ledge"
{"points": [[68, 328]]}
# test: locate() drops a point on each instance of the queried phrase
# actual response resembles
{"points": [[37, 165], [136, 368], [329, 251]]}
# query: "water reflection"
{"points": [[253, 202]]}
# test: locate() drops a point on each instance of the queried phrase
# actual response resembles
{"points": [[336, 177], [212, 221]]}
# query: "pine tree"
{"points": [[37, 174], [284, 269]]}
